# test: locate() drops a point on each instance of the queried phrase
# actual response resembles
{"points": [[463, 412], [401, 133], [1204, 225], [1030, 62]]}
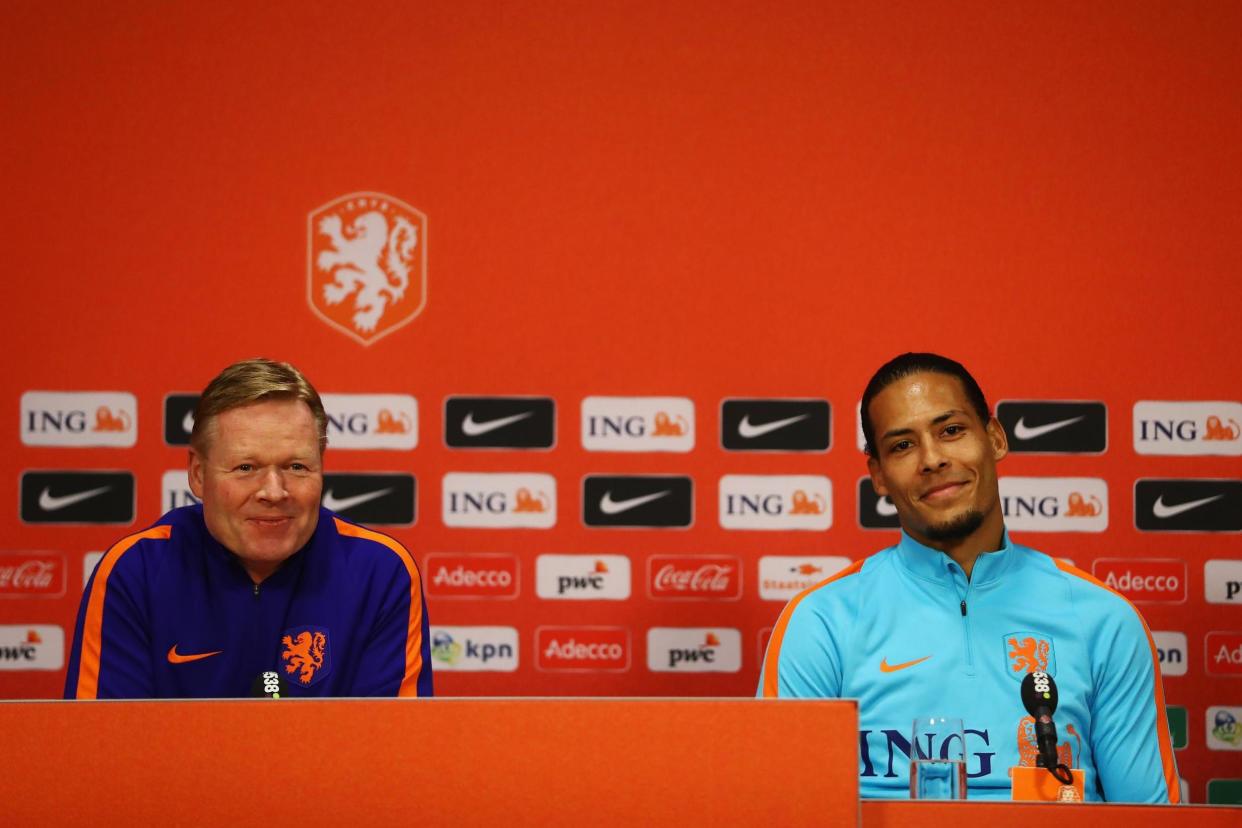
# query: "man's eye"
{"points": [[954, 429], [297, 467], [901, 445], [245, 467]]}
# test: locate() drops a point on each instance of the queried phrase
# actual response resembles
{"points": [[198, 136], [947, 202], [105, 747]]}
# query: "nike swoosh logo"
{"points": [[885, 508], [175, 657], [615, 507], [471, 428], [1160, 510], [885, 667], [48, 503], [1024, 432], [333, 504], [187, 422], [749, 431]]}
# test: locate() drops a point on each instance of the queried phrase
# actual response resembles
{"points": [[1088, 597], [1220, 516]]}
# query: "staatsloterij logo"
{"points": [[366, 264]]}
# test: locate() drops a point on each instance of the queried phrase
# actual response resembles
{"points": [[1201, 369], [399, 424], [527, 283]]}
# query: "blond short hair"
{"points": [[252, 381]]}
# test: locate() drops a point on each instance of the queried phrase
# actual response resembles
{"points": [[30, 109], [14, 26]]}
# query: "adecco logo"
{"points": [[582, 649], [1171, 648], [471, 576], [1144, 580], [1223, 653]]}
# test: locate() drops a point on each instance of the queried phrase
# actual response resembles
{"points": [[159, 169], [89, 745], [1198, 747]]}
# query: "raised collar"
{"points": [[935, 565]]}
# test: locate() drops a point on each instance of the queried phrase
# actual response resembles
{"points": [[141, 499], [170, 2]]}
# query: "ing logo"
{"points": [[524, 501], [367, 264], [804, 504], [1026, 652], [387, 423], [666, 426], [304, 654], [105, 420], [1080, 506], [1214, 429]]}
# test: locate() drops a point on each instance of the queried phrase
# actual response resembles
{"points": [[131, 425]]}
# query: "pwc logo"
{"points": [[32, 575], [514, 501], [649, 501], [175, 491], [1185, 428], [1223, 653], [775, 425], [500, 422], [483, 575], [638, 424], [694, 577], [1144, 580], [1054, 427], [582, 649], [1202, 505], [474, 649], [1222, 581], [1172, 650], [781, 577], [750, 501], [582, 577], [875, 512], [366, 264], [372, 421], [179, 418], [1055, 504], [79, 418], [694, 650], [32, 647], [376, 498], [77, 497]]}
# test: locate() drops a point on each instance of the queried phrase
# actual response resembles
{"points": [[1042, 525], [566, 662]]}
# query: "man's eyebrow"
{"points": [[953, 412]]}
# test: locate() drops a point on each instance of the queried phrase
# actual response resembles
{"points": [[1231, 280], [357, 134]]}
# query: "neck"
{"points": [[965, 551]]}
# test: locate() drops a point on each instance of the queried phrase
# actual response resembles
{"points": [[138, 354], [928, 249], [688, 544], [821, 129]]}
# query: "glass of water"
{"points": [[937, 758]]}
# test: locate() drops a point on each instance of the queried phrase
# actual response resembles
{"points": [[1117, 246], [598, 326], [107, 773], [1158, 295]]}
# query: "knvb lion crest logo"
{"points": [[1026, 652], [1028, 745], [305, 655], [367, 264]]}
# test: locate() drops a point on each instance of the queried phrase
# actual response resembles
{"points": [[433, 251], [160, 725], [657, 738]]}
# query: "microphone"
{"points": [[1039, 697], [269, 685]]}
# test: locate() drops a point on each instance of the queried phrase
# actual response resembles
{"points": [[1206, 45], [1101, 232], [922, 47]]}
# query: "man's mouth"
{"points": [[945, 491]]}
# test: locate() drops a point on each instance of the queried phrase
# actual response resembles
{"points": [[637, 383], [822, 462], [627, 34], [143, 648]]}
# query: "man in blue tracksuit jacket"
{"points": [[258, 578], [951, 619]]}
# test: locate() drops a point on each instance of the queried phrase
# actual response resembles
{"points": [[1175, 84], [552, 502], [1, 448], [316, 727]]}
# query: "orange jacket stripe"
{"points": [[1162, 721], [771, 660], [92, 626], [414, 635]]}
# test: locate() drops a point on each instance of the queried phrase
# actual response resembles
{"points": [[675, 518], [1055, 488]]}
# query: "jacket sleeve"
{"points": [[803, 659], [396, 660], [110, 657], [1130, 732]]}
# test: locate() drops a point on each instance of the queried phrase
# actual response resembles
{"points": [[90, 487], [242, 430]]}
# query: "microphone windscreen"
{"points": [[1039, 690]]}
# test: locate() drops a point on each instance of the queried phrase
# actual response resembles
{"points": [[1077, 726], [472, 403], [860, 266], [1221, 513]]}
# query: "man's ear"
{"points": [[998, 439], [195, 472], [877, 477]]}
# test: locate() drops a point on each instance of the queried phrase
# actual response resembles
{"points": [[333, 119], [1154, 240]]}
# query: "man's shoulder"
{"points": [[840, 588], [367, 544], [1089, 594]]}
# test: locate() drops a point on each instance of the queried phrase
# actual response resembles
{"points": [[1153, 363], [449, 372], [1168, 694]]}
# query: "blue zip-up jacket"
{"points": [[906, 634], [170, 613]]}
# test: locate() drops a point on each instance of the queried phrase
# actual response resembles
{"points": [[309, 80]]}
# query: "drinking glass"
{"points": [[937, 758]]}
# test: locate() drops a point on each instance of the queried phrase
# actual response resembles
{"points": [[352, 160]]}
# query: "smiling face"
{"points": [[936, 460], [260, 477]]}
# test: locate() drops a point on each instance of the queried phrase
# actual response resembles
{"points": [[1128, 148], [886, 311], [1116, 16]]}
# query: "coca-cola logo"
{"points": [[32, 574], [471, 576], [1144, 580], [694, 577], [582, 649]]}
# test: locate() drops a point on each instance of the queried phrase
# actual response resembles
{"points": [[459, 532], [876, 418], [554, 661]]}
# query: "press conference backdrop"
{"points": [[592, 294]]}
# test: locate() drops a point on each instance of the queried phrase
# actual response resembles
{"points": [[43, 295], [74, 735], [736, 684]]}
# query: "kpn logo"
{"points": [[1055, 504], [638, 424], [694, 650], [474, 649], [582, 577], [499, 500], [372, 421], [79, 418], [1184, 428], [1171, 649], [750, 501]]}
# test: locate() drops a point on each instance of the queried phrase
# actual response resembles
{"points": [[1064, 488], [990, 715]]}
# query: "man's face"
{"points": [[934, 458], [260, 481]]}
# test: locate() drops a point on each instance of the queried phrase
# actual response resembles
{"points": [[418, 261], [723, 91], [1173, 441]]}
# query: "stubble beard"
{"points": [[962, 526]]}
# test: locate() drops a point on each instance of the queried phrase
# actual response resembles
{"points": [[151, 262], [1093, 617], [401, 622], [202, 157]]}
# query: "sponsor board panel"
{"points": [[1188, 505], [775, 502], [77, 497], [1223, 653], [474, 649], [1054, 426], [79, 418], [1055, 504], [694, 650], [32, 575], [372, 421], [1222, 581], [89, 562], [500, 422], [784, 425], [32, 647], [874, 511], [582, 577], [1144, 580], [694, 577], [582, 649], [781, 577], [371, 498], [179, 417], [479, 575], [638, 424], [1224, 727], [175, 491], [638, 501], [498, 500], [1179, 726], [1224, 792], [1172, 650], [1188, 428]]}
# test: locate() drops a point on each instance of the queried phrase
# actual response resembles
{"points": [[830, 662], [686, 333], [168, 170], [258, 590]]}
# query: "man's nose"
{"points": [[931, 457], [272, 486]]}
